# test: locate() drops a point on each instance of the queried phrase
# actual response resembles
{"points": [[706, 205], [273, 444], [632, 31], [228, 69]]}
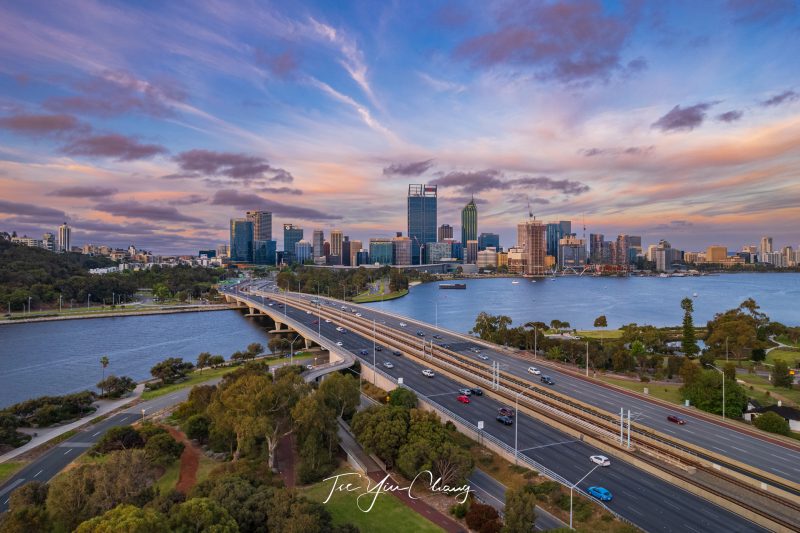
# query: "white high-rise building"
{"points": [[64, 234]]}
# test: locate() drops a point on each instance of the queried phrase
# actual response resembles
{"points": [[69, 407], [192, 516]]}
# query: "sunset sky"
{"points": [[153, 123]]}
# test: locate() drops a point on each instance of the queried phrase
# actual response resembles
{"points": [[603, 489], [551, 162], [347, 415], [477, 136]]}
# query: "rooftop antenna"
{"points": [[584, 225], [530, 212]]}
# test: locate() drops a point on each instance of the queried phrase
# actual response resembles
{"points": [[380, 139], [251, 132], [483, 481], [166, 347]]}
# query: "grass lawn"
{"points": [[791, 357], [670, 393], [600, 333], [195, 378], [786, 340], [758, 382], [389, 515], [9, 468], [367, 297], [168, 481]]}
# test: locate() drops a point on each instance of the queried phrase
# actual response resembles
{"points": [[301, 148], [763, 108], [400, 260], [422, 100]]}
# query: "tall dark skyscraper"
{"points": [[291, 236], [262, 225], [486, 240], [555, 232], [241, 249], [445, 232], [421, 217], [469, 223]]}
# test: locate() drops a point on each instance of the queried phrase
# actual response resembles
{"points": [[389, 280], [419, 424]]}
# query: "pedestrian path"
{"points": [[43, 435]]}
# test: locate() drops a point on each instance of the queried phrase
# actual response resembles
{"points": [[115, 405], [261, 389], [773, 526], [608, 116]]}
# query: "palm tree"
{"points": [[104, 363]]}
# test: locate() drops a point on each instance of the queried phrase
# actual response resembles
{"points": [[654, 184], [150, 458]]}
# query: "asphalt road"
{"points": [[57, 458], [766, 455], [641, 498]]}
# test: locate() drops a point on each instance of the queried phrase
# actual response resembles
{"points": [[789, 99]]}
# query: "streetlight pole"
{"points": [[516, 419], [570, 492], [373, 352], [88, 298], [291, 349]]}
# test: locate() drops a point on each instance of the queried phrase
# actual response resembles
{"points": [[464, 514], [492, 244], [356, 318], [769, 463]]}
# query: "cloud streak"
{"points": [[113, 145], [683, 118], [415, 168], [242, 201], [82, 191]]}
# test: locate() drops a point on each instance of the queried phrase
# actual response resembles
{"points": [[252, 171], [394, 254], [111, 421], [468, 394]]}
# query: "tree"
{"points": [[103, 363], [115, 387], [403, 397], [255, 349], [341, 392], [730, 371], [772, 422], [639, 354], [520, 511], [601, 322], [197, 427], [201, 515], [780, 374], [688, 341], [317, 438], [705, 393], [162, 450], [119, 438], [382, 431], [216, 360], [127, 519], [171, 370], [689, 372], [483, 518], [203, 360]]}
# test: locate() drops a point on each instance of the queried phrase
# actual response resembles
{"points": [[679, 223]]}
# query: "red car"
{"points": [[676, 420], [463, 399]]}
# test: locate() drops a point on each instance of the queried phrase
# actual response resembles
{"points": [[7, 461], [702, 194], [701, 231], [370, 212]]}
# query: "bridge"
{"points": [[719, 465]]}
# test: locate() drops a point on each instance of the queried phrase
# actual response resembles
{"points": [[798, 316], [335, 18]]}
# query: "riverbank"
{"points": [[118, 313]]}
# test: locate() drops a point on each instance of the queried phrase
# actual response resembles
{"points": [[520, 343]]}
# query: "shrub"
{"points": [[196, 427], [119, 438], [162, 449], [772, 422], [480, 515], [459, 510]]}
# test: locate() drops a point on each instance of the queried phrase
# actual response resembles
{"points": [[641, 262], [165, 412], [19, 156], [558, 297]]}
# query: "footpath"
{"points": [[43, 435]]}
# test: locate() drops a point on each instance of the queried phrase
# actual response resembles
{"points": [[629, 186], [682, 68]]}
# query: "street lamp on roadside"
{"points": [[570, 492], [516, 419]]}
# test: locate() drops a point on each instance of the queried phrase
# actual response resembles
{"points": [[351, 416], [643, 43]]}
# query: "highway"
{"points": [[644, 500], [770, 456]]}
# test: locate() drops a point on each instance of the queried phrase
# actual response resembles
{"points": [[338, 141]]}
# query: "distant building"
{"points": [[265, 252], [28, 241], [362, 257], [437, 251], [716, 254], [422, 212], [571, 252], [49, 242], [64, 236], [534, 243], [471, 255], [555, 232], [517, 262], [620, 251], [402, 250], [381, 251], [502, 259], [355, 247], [487, 259], [262, 225], [318, 242], [241, 242], [303, 251], [445, 232], [488, 240], [209, 254], [469, 224], [345, 258], [766, 245], [599, 249], [291, 236], [326, 249], [222, 250], [336, 244]]}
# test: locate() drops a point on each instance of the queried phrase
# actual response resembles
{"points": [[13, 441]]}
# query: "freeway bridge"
{"points": [[548, 439]]}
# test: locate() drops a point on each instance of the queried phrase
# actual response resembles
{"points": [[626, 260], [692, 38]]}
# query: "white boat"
{"points": [[694, 295], [515, 282], [533, 281]]}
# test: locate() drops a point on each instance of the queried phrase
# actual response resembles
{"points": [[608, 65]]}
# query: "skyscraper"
{"points": [[534, 244], [355, 247], [346, 251], [402, 250], [264, 252], [555, 232], [488, 240], [421, 217], [469, 223], [571, 252], [766, 248], [471, 255], [336, 245], [49, 242], [380, 251], [64, 236], [318, 242], [241, 247], [302, 251], [620, 251], [445, 232], [596, 248], [262, 225], [291, 236]]}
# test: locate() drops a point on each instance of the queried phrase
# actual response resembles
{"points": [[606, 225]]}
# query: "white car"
{"points": [[428, 373], [339, 328], [601, 460], [339, 343], [358, 314], [327, 320], [309, 367], [403, 324], [308, 312], [387, 364], [344, 307], [483, 357], [534, 370]]}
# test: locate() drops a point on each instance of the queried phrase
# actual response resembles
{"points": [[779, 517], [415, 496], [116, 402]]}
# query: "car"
{"points": [[363, 352], [465, 392], [378, 348], [339, 343], [271, 305], [327, 320], [445, 346], [602, 494], [308, 312], [344, 307], [547, 380], [534, 370], [463, 398], [352, 310], [483, 357], [403, 324], [477, 391], [476, 350], [437, 336], [314, 301], [506, 411], [309, 367], [676, 420], [387, 364], [601, 460], [505, 420], [397, 352], [358, 314], [420, 333], [339, 328], [428, 373], [315, 322]]}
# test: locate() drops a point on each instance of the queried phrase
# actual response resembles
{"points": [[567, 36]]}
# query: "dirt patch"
{"points": [[286, 459], [190, 460]]}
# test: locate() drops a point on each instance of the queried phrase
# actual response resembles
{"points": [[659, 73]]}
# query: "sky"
{"points": [[153, 123]]}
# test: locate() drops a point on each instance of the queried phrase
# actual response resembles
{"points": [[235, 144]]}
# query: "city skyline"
{"points": [[679, 123]]}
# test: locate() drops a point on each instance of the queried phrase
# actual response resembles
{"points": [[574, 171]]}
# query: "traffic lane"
{"points": [[570, 458]]}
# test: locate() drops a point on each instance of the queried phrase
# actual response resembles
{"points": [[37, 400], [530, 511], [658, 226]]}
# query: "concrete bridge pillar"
{"points": [[278, 326], [252, 311], [307, 343]]}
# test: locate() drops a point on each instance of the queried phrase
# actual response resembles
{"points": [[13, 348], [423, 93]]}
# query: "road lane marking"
{"points": [[37, 473], [69, 450], [96, 434]]}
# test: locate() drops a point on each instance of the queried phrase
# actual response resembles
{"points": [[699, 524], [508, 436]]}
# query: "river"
{"points": [[579, 300], [59, 357]]}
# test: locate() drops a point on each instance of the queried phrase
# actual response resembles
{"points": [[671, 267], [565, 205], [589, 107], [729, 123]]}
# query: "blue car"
{"points": [[600, 493]]}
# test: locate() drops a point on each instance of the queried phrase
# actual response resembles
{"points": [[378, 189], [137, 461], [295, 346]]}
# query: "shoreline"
{"points": [[113, 314]]}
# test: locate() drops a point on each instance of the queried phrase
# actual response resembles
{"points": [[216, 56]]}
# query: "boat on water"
{"points": [[694, 295], [515, 282], [452, 285]]}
